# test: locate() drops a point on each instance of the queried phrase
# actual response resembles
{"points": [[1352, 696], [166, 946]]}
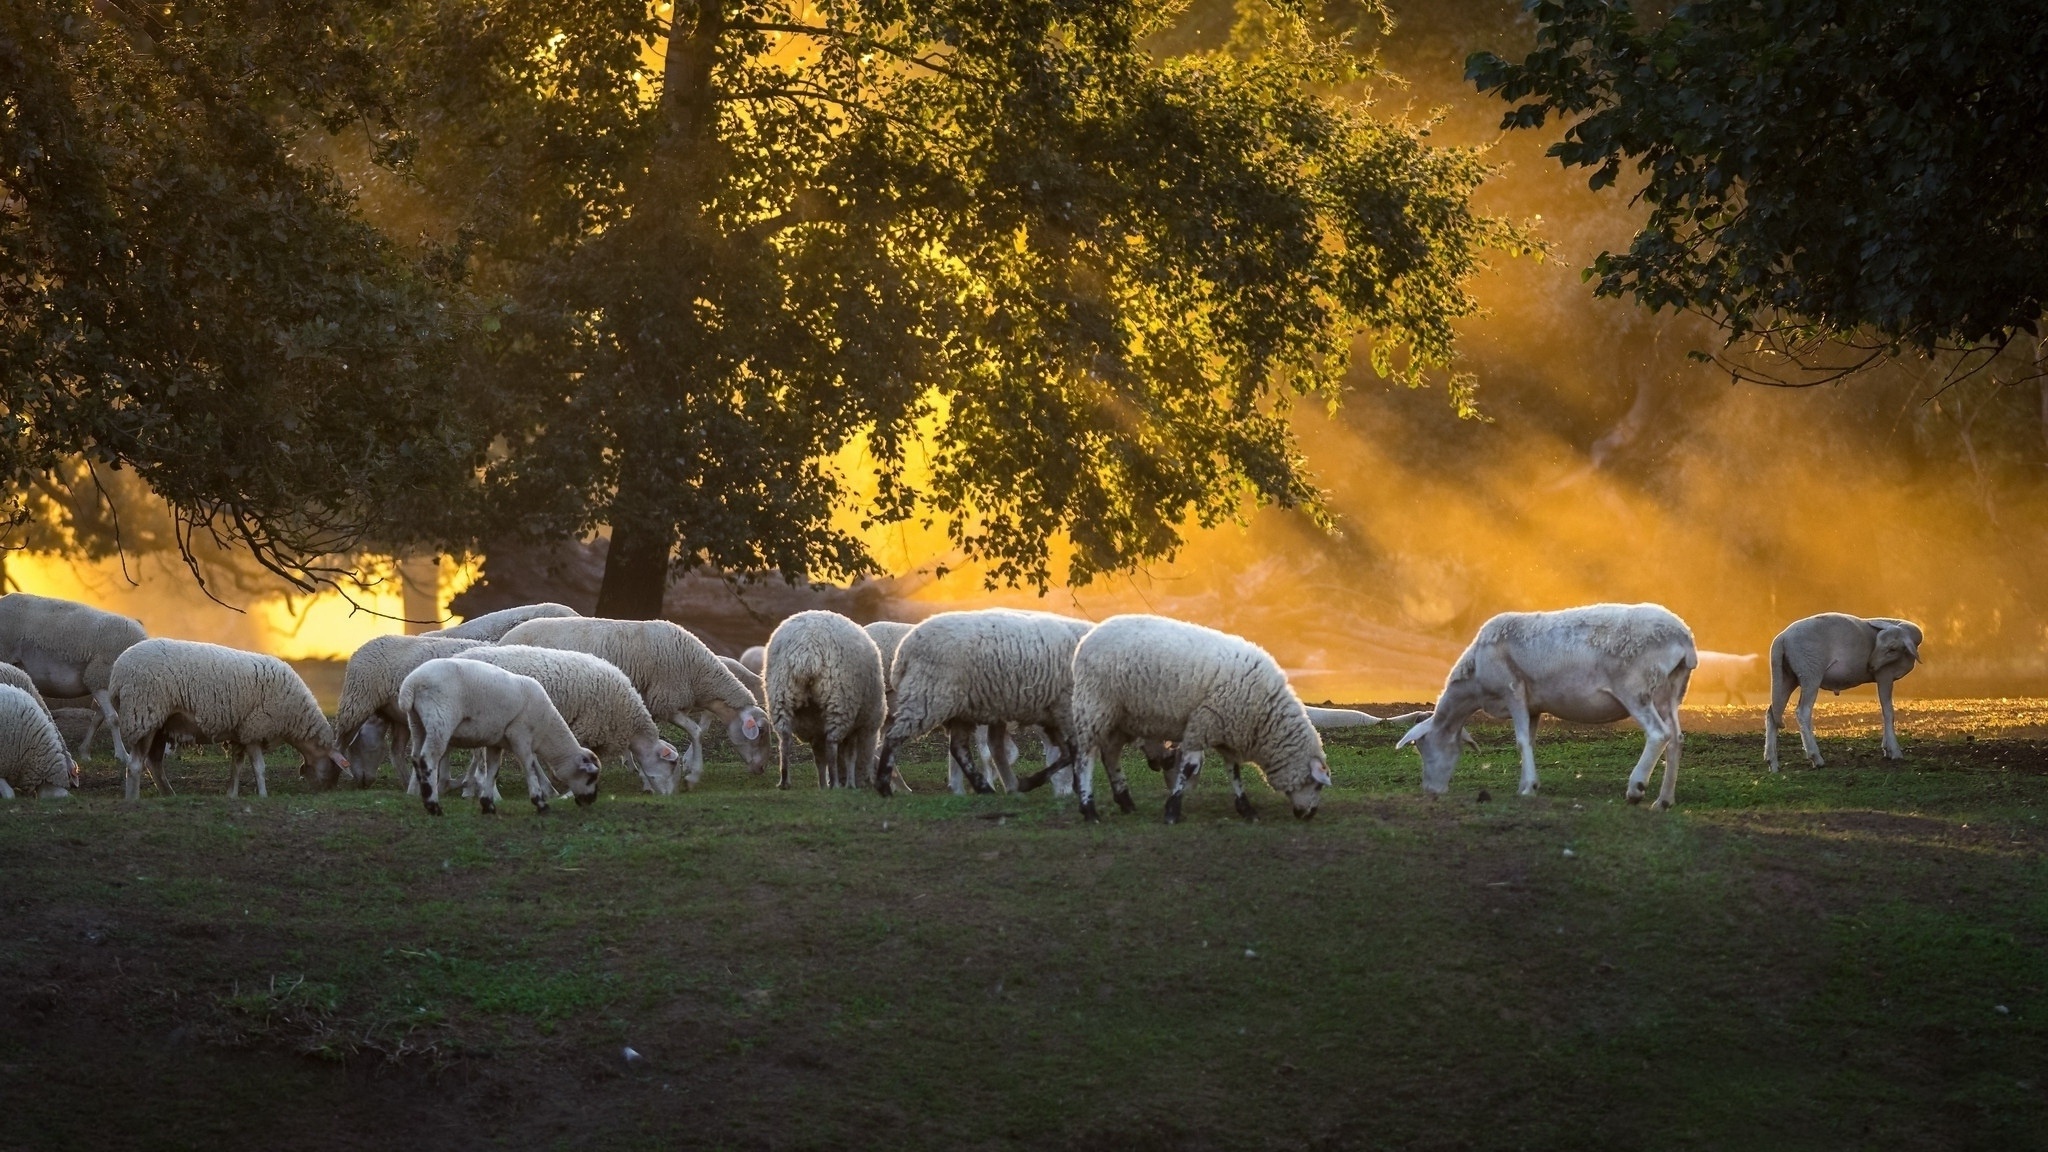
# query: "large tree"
{"points": [[183, 293], [1837, 169], [736, 236]]}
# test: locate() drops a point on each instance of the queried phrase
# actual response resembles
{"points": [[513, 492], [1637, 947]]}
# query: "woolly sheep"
{"points": [[963, 669], [1591, 665], [16, 678], [463, 703], [1836, 651], [368, 717], [824, 680], [599, 704], [33, 758], [1150, 678], [755, 659], [492, 626], [1725, 673], [674, 673], [888, 636], [67, 648], [248, 701]]}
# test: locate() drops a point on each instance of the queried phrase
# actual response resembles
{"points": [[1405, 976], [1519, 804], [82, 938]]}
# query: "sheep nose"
{"points": [[1304, 813], [586, 799]]}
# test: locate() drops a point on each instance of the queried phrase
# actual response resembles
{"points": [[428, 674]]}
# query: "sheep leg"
{"points": [[6, 790], [256, 761], [1808, 693], [106, 703], [156, 767], [960, 744], [825, 751], [1244, 802], [1668, 794], [1084, 784], [1002, 752], [693, 756], [1892, 750], [1185, 767], [1655, 736], [782, 739], [1119, 788], [1774, 715], [235, 753], [1525, 741]]}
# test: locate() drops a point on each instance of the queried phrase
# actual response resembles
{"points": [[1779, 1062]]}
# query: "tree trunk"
{"points": [[635, 572]]}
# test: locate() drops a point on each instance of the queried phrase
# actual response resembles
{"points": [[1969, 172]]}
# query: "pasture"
{"points": [[1844, 957]]}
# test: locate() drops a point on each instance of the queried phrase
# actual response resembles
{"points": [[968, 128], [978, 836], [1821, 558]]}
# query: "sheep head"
{"points": [[1439, 746], [1895, 649]]}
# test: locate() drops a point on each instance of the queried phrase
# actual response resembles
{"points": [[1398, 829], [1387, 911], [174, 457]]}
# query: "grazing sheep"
{"points": [[1150, 678], [33, 758], [674, 673], [15, 678], [1591, 665], [463, 703], [163, 689], [1725, 673], [492, 626], [755, 659], [993, 666], [825, 687], [887, 635], [599, 704], [368, 719], [67, 648], [1836, 651]]}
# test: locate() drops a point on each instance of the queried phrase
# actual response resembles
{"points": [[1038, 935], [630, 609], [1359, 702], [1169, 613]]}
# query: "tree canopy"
{"points": [[1832, 168], [679, 259]]}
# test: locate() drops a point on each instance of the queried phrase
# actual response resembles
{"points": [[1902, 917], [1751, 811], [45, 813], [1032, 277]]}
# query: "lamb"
{"points": [[674, 673], [492, 626], [1142, 677], [461, 703], [825, 686], [1726, 672], [993, 666], [1592, 665], [67, 648], [599, 704], [755, 659], [33, 758], [1836, 651], [369, 710], [161, 689]]}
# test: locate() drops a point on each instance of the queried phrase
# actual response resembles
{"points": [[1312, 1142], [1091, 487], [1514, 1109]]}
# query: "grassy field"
{"points": [[1850, 957]]}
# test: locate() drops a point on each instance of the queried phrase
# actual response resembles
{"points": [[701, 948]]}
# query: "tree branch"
{"points": [[924, 61]]}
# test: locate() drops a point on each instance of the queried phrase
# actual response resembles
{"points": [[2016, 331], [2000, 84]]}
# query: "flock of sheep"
{"points": [[563, 693]]}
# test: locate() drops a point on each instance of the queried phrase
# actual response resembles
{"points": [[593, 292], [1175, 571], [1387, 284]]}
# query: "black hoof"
{"points": [[1245, 809], [1124, 801], [1173, 808], [540, 807], [1035, 780], [1088, 811], [883, 788], [433, 807], [1635, 797], [488, 805], [983, 788]]}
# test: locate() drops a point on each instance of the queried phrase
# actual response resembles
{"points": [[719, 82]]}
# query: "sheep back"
{"points": [[674, 672], [67, 647], [229, 696], [492, 626], [993, 665], [32, 752], [369, 686], [888, 636], [594, 698], [822, 662]]}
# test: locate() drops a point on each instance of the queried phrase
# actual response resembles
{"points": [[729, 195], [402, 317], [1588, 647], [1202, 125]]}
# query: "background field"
{"points": [[1844, 957]]}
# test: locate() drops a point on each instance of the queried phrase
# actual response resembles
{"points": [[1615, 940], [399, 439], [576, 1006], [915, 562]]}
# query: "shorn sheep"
{"points": [[1150, 678], [599, 704], [457, 703], [1591, 665], [1836, 651], [1726, 673], [987, 667], [825, 687], [67, 648], [33, 758], [492, 626], [368, 718], [162, 689], [675, 674]]}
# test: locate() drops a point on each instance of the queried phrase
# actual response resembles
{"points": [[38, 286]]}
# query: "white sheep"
{"points": [[492, 626], [598, 702], [825, 686], [1150, 678], [368, 719], [1836, 651], [888, 635], [755, 659], [1726, 673], [675, 674], [986, 667], [33, 758], [464, 703], [16, 678], [162, 689], [67, 648], [1591, 665]]}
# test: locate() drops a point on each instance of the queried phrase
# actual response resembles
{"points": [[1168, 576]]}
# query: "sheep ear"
{"points": [[666, 751], [751, 724], [340, 760], [1420, 730], [1320, 773]]}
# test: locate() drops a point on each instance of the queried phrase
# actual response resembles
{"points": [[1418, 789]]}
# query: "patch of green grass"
{"points": [[1808, 960]]}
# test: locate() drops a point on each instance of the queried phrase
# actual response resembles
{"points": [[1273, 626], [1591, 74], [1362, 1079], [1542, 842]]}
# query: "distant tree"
{"points": [[736, 236], [1844, 170], [184, 294]]}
